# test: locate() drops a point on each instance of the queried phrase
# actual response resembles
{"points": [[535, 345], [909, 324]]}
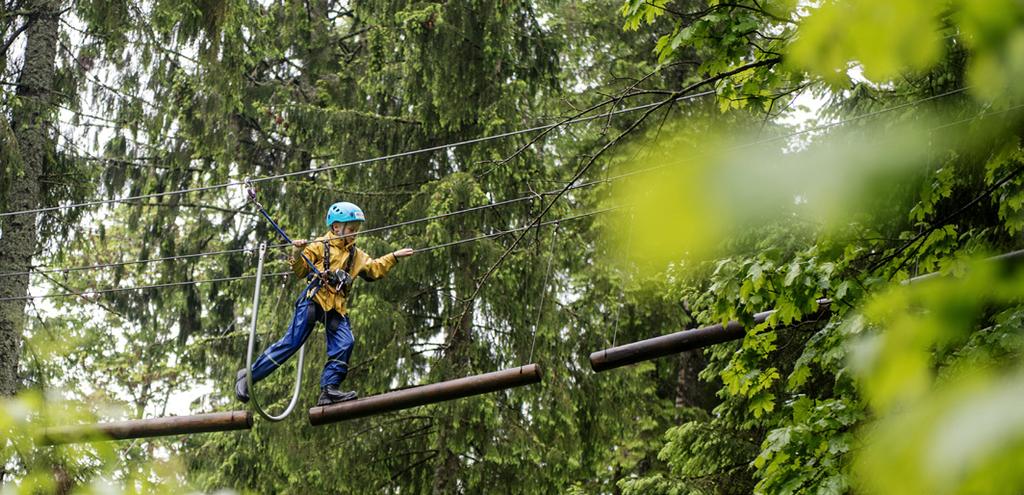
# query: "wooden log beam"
{"points": [[688, 340], [145, 428], [672, 343], [426, 394]]}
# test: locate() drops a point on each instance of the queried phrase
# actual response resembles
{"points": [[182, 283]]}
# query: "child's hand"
{"points": [[300, 243], [401, 253]]}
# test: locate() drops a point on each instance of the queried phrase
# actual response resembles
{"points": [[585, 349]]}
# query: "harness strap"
{"points": [[327, 255], [349, 263]]}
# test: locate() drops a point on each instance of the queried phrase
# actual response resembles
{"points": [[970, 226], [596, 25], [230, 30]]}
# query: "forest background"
{"points": [[710, 202]]}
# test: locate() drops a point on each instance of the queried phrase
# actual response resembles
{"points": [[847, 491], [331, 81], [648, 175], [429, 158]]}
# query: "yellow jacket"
{"points": [[368, 268]]}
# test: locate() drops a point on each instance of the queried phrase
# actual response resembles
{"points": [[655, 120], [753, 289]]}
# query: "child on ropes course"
{"points": [[325, 300]]}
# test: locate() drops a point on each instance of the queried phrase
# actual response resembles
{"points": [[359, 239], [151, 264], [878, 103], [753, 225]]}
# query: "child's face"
{"points": [[348, 228]]}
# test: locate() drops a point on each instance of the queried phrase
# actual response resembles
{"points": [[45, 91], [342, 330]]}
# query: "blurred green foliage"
{"points": [[902, 388], [33, 466], [887, 38], [938, 361]]}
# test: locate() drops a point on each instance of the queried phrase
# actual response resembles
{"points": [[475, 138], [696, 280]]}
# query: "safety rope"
{"points": [[543, 292], [348, 164], [622, 290], [468, 142], [533, 196], [440, 246], [278, 274], [517, 229], [140, 287], [374, 230]]}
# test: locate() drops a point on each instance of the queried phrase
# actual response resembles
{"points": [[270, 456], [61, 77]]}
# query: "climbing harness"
{"points": [[340, 280], [252, 344]]}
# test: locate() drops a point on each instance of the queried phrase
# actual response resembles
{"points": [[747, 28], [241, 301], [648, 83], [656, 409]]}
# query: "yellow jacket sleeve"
{"points": [[374, 268], [314, 251]]}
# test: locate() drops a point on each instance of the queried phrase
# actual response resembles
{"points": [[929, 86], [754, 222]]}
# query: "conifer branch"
{"points": [[586, 166]]}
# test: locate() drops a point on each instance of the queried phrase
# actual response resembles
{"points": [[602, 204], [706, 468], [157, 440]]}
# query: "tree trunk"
{"points": [[691, 391], [458, 363], [26, 141]]}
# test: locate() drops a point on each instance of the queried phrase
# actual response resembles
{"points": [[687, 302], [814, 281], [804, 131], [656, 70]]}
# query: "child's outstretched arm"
{"points": [[378, 267]]}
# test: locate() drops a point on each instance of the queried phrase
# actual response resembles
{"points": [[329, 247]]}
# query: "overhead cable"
{"points": [[278, 274], [281, 245], [519, 199], [348, 164]]}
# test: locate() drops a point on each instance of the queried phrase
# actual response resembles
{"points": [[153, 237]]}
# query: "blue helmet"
{"points": [[344, 212]]}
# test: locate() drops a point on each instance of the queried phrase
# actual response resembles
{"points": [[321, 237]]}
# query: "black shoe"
{"points": [[241, 386], [331, 395]]}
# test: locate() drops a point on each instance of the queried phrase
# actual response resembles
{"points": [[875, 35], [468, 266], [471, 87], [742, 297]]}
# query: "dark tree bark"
{"points": [[26, 148], [691, 391], [458, 363]]}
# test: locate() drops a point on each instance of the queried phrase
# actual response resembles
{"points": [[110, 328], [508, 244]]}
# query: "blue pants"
{"points": [[339, 342]]}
